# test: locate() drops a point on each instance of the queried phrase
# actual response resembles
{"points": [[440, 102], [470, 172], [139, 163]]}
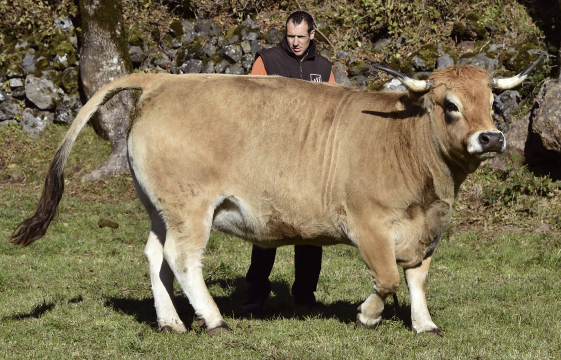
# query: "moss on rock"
{"points": [[519, 57]]}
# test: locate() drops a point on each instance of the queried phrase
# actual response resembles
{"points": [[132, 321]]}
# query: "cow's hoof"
{"points": [[431, 331], [170, 329], [165, 329], [219, 330], [362, 322], [435, 331]]}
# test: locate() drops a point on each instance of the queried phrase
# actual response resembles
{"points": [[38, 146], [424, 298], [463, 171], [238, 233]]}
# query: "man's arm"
{"points": [[258, 68]]}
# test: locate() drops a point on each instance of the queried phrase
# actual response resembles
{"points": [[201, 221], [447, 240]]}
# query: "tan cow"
{"points": [[279, 161]]}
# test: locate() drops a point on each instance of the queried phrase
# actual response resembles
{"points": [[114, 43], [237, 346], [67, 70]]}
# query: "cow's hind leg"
{"points": [[161, 278], [183, 250], [417, 279]]}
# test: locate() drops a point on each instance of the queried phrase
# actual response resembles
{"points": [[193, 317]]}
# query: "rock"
{"points": [[181, 32], [34, 121], [247, 62], [14, 70], [382, 44], [69, 80], [547, 123], [3, 95], [192, 50], [516, 138], [339, 66], [208, 27], [246, 47], [361, 82], [42, 91], [160, 59], [15, 83], [211, 48], [61, 62], [341, 78], [444, 61], [482, 61], [424, 59], [234, 39], [255, 47], [179, 28], [65, 25], [67, 109], [274, 37], [520, 56], [394, 85], [193, 66], [137, 55], [250, 36], [28, 62], [232, 52], [359, 68], [208, 68], [467, 46], [505, 103], [221, 66], [341, 54], [184, 39], [496, 47], [325, 53], [8, 122], [235, 69], [10, 108]]}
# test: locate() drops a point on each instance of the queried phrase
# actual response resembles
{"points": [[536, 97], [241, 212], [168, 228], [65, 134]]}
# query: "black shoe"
{"points": [[254, 306]]}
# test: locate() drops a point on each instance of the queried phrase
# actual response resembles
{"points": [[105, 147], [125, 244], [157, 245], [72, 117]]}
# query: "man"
{"points": [[296, 57]]}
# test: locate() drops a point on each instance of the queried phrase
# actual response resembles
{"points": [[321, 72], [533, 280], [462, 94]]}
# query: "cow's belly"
{"points": [[272, 229]]}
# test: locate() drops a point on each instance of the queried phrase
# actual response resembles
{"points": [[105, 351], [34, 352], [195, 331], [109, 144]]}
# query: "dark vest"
{"points": [[281, 61]]}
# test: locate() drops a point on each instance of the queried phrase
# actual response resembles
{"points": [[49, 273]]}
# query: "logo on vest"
{"points": [[315, 77]]}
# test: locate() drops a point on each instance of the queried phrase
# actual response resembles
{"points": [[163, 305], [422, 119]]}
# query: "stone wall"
{"points": [[40, 80]]}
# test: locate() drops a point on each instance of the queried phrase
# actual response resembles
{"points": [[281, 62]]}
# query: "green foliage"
{"points": [[24, 16], [515, 185]]}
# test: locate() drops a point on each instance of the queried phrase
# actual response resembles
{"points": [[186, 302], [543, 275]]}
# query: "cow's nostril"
{"points": [[491, 141]]}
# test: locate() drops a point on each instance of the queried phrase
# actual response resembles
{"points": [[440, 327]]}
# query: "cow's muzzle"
{"points": [[487, 144]]}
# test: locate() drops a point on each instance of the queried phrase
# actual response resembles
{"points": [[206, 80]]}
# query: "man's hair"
{"points": [[299, 16]]}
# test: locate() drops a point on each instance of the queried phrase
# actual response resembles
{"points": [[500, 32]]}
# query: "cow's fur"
{"points": [[279, 161]]}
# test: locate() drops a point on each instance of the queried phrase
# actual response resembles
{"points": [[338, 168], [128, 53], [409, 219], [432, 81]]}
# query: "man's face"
{"points": [[298, 38]]}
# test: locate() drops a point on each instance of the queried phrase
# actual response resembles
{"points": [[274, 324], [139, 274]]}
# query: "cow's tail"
{"points": [[35, 226]]}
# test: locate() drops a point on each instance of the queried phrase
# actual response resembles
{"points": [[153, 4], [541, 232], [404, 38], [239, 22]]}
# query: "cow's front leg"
{"points": [[377, 251], [417, 279]]}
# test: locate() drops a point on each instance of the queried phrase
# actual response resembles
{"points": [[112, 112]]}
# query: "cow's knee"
{"points": [[388, 284]]}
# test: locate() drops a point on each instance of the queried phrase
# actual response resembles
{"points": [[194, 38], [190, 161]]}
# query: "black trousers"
{"points": [[307, 265]]}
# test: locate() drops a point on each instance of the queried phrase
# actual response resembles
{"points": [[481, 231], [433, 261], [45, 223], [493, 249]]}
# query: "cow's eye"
{"points": [[450, 106]]}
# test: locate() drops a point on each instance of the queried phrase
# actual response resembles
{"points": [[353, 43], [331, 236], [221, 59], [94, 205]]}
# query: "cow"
{"points": [[279, 161]]}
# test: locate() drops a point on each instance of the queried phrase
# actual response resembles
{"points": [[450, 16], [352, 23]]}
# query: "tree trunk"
{"points": [[104, 57]]}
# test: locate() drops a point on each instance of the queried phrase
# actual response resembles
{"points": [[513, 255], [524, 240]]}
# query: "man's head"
{"points": [[299, 32]]}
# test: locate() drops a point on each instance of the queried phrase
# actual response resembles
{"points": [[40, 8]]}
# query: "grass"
{"points": [[84, 292]]}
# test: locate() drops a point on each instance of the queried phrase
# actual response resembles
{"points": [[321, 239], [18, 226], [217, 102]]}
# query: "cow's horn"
{"points": [[412, 84], [512, 82]]}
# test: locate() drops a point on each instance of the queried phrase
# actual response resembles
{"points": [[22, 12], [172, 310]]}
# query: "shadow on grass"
{"points": [[41, 309], [144, 312], [279, 305]]}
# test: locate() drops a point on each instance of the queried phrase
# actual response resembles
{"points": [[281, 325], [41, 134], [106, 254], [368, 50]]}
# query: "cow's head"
{"points": [[459, 100]]}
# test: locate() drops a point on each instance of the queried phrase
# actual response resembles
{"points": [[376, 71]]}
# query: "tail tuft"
{"points": [[35, 227]]}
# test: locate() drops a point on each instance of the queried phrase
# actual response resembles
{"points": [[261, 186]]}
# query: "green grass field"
{"points": [[84, 292]]}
